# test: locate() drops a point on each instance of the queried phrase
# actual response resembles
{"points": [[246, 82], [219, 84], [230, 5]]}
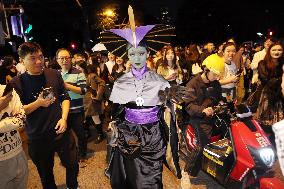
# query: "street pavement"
{"points": [[92, 176]]}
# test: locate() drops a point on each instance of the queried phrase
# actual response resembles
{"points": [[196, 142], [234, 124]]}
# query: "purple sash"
{"points": [[142, 116]]}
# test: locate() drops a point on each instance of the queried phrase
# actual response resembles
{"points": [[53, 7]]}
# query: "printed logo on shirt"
{"points": [[9, 141]]}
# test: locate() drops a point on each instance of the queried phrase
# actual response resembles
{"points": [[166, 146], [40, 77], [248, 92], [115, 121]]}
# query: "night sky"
{"points": [[195, 20]]}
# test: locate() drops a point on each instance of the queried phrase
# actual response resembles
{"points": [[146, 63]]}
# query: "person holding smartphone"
{"points": [[13, 161], [46, 104]]}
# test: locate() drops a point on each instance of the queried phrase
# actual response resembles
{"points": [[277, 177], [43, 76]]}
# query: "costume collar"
{"points": [[139, 73]]}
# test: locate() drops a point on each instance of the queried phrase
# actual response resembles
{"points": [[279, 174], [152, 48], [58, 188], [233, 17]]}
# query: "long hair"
{"points": [[83, 65], [8, 61], [165, 61], [269, 64], [191, 53], [116, 66]]}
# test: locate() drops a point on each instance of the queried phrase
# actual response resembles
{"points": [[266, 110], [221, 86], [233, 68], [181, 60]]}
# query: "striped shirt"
{"points": [[77, 78]]}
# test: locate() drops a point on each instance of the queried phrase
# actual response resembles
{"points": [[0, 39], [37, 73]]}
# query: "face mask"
{"points": [[138, 57]]}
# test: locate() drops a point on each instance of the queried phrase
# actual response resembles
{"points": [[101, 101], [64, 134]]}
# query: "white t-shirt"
{"points": [[11, 118], [254, 64], [109, 65], [230, 69]]}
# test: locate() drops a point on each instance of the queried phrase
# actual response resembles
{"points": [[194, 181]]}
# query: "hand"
{"points": [[234, 78], [111, 125], [208, 111], [111, 79], [45, 102], [172, 76], [67, 85], [4, 100], [61, 126]]}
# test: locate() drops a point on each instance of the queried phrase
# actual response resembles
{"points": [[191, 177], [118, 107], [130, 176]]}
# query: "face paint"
{"points": [[137, 57]]}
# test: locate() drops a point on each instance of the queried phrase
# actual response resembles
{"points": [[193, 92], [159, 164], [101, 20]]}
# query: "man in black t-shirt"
{"points": [[46, 104]]}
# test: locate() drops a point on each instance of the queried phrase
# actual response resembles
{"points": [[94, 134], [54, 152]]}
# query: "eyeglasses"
{"points": [[64, 58]]}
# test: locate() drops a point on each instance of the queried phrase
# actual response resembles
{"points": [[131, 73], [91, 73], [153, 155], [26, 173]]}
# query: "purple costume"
{"points": [[137, 160]]}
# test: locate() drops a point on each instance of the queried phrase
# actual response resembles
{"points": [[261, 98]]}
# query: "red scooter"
{"points": [[240, 158]]}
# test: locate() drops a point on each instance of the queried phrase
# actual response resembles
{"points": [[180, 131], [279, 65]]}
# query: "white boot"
{"points": [[185, 181]]}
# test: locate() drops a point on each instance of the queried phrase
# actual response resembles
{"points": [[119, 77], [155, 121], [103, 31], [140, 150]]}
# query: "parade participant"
{"points": [[204, 93], [75, 84], [13, 161], [46, 104], [140, 147]]}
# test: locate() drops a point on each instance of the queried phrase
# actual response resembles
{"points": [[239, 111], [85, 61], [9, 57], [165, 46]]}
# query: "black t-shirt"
{"points": [[3, 73], [32, 90], [12, 73], [41, 122]]}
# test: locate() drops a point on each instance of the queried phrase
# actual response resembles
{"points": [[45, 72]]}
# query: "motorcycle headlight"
{"points": [[267, 156], [263, 157]]}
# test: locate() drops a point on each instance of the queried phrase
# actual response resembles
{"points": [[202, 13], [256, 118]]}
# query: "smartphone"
{"points": [[7, 89], [47, 93]]}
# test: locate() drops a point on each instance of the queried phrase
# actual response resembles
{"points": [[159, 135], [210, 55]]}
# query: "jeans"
{"points": [[42, 152]]}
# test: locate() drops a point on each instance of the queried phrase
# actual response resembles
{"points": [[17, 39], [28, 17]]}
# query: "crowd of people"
{"points": [[73, 92]]}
